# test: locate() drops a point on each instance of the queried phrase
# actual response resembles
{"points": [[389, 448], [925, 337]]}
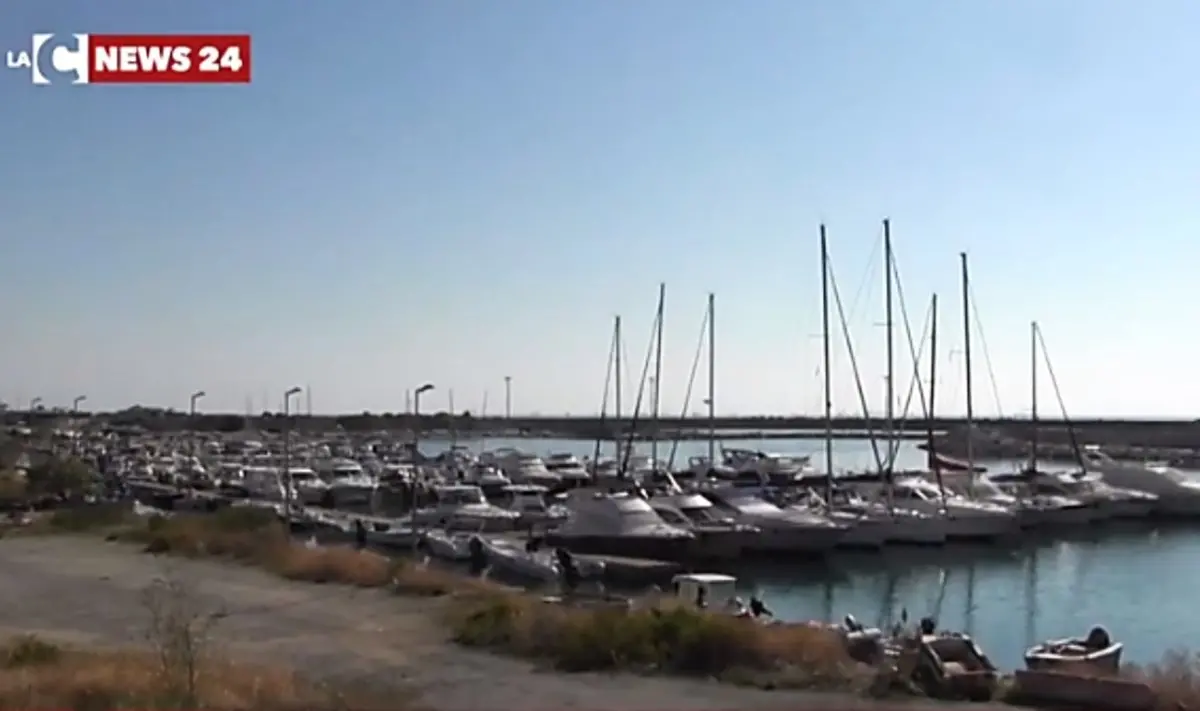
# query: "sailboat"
{"points": [[871, 522]]}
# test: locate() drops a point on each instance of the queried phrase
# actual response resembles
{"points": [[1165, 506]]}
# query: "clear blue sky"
{"points": [[454, 191]]}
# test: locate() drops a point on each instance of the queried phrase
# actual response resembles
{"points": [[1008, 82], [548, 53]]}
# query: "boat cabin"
{"points": [[717, 591]]}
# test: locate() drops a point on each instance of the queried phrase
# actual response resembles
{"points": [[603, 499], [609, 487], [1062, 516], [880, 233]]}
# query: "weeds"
{"points": [[672, 639]]}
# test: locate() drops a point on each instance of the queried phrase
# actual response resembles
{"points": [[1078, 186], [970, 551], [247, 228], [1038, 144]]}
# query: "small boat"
{"points": [[951, 665], [936, 460], [1094, 654], [445, 545]]}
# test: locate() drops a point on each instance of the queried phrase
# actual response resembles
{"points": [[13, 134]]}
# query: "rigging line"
{"points": [[637, 403], [987, 357], [915, 385], [608, 378], [862, 395], [1062, 406], [865, 282], [914, 352], [687, 394]]}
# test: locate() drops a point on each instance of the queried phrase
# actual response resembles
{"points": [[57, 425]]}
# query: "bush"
{"points": [[1175, 679], [90, 518], [256, 537], [40, 675], [672, 638]]}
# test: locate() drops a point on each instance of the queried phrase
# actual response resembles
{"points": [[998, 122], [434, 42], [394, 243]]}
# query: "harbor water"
{"points": [[1133, 578]]}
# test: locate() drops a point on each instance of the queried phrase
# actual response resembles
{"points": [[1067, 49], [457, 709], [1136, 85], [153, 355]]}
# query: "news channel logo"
{"points": [[52, 59]]}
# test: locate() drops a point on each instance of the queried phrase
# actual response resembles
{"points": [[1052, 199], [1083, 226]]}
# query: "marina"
{"points": [[1012, 586]]}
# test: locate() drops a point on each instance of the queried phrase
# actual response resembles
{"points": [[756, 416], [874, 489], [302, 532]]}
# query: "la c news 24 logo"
{"points": [[52, 55]]}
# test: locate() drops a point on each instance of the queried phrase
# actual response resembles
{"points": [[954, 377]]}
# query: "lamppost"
{"points": [[507, 398], [75, 403], [34, 403], [417, 414], [287, 451], [417, 439], [192, 421]]}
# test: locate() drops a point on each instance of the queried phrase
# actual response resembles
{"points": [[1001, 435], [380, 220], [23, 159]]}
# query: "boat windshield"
{"points": [[464, 495]]}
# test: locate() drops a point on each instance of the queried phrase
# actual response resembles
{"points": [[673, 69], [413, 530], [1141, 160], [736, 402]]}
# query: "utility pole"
{"points": [[508, 397]]}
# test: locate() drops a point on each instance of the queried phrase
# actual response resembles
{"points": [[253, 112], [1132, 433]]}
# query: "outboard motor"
{"points": [[478, 561]]}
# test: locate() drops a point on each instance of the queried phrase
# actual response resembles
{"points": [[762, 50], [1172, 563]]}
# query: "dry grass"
{"points": [[672, 639], [1175, 679], [35, 674], [256, 537]]}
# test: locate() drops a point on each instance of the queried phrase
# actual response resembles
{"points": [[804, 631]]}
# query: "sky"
{"points": [[453, 192]]}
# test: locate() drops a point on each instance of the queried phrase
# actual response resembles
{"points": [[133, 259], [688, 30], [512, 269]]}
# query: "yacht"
{"points": [[1034, 509], [963, 518], [900, 525], [782, 530], [487, 477], [622, 524], [349, 483], [529, 501], [310, 488], [569, 469], [1105, 500], [718, 535], [264, 483], [1178, 494], [463, 506], [772, 469], [524, 468]]}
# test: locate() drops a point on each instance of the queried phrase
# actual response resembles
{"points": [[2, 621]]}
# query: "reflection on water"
{"points": [[1011, 598], [1136, 581]]}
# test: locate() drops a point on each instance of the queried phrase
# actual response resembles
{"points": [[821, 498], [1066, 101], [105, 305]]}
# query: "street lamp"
{"points": [[34, 403], [192, 421], [417, 413], [75, 403], [507, 397], [287, 451]]}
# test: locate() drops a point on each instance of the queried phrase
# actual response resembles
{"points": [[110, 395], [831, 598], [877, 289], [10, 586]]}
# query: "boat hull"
{"points": [[805, 540], [652, 547]]}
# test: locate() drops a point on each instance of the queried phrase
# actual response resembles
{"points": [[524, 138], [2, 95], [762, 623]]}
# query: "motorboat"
{"points": [[963, 518], [350, 484], [767, 468], [310, 488], [622, 524], [1033, 510], [463, 506], [718, 535], [782, 530], [1095, 654], [1178, 494], [487, 477], [453, 546], [529, 501], [569, 469], [1105, 500], [508, 556], [899, 525], [703, 468], [524, 468]]}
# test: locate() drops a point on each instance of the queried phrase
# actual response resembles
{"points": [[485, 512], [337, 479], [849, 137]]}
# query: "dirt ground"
{"points": [[90, 592]]}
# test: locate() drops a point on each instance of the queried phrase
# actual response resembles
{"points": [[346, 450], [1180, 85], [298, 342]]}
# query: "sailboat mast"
{"points": [[1033, 398], [889, 410], [617, 385], [654, 399], [825, 362], [712, 380], [929, 441], [453, 419], [966, 303]]}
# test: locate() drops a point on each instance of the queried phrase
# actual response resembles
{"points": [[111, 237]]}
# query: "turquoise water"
{"points": [[1135, 580]]}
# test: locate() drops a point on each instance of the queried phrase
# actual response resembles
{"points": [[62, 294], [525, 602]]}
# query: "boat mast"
{"points": [[712, 381], [617, 385], [1033, 399], [654, 399], [889, 410], [966, 304], [930, 447], [828, 385]]}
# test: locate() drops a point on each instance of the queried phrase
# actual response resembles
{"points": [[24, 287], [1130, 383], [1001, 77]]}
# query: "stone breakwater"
{"points": [[1179, 445]]}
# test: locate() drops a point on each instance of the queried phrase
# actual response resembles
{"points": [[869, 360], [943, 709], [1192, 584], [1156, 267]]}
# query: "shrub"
{"points": [[672, 638], [40, 675], [1175, 679]]}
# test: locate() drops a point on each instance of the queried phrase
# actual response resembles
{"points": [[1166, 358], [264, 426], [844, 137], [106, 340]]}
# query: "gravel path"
{"points": [[87, 591]]}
